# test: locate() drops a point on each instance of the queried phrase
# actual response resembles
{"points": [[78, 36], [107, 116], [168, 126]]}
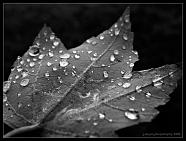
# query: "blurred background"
{"points": [[157, 38]]}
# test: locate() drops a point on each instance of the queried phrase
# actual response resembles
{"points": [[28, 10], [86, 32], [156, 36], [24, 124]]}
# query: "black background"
{"points": [[157, 38]]}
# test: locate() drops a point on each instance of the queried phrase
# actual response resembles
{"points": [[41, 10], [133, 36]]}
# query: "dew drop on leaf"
{"points": [[34, 51], [24, 82], [131, 114], [63, 63], [126, 85], [112, 58], [6, 86], [65, 56]]}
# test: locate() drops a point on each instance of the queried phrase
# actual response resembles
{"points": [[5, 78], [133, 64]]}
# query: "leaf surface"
{"points": [[89, 90]]}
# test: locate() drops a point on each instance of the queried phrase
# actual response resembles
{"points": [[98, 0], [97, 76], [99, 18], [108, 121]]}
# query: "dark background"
{"points": [[157, 38]]}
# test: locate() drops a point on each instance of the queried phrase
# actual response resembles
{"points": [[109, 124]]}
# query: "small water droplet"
{"points": [[49, 64], [101, 37], [124, 47], [52, 37], [87, 131], [116, 32], [120, 83], [24, 82], [56, 43], [54, 68], [125, 37], [116, 52], [132, 115], [6, 104], [41, 56], [89, 41], [95, 123], [51, 54], [101, 116], [135, 52], [95, 54], [19, 69], [112, 58], [19, 94], [158, 84], [34, 51], [76, 56], [126, 85], [65, 56], [116, 25], [127, 75], [89, 51], [138, 89], [19, 105], [24, 73], [94, 43], [6, 86], [63, 63], [127, 18], [110, 120], [32, 64], [47, 74], [22, 62], [105, 74], [131, 98], [142, 109], [4, 98], [148, 94], [74, 51], [131, 65], [17, 76]]}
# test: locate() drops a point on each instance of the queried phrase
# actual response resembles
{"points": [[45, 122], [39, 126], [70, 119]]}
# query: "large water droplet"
{"points": [[34, 51], [6, 86], [131, 114], [24, 82], [112, 58], [65, 56], [52, 37], [131, 65], [63, 63], [126, 85]]}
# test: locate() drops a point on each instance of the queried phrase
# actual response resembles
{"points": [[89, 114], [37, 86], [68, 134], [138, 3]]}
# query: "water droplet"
{"points": [[123, 47], [87, 131], [127, 75], [110, 120], [131, 65], [120, 83], [89, 41], [94, 43], [138, 89], [101, 37], [127, 18], [52, 37], [157, 78], [74, 51], [19, 105], [65, 56], [105, 74], [63, 63], [148, 94], [95, 123], [4, 98], [41, 56], [19, 94], [158, 84], [49, 64], [95, 54], [125, 37], [131, 98], [51, 54], [24, 73], [6, 104], [135, 52], [93, 59], [17, 76], [116, 32], [56, 43], [89, 51], [34, 51], [132, 115], [142, 109], [54, 68], [101, 116], [112, 58], [77, 56], [24, 82], [19, 69], [6, 86], [22, 62], [47, 74], [116, 52], [126, 85], [32, 64]]}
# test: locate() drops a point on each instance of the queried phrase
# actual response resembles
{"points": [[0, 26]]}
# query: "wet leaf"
{"points": [[86, 91]]}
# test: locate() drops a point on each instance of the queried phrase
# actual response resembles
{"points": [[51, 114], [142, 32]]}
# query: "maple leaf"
{"points": [[87, 91]]}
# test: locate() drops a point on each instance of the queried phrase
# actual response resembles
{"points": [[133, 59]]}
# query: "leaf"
{"points": [[87, 91]]}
